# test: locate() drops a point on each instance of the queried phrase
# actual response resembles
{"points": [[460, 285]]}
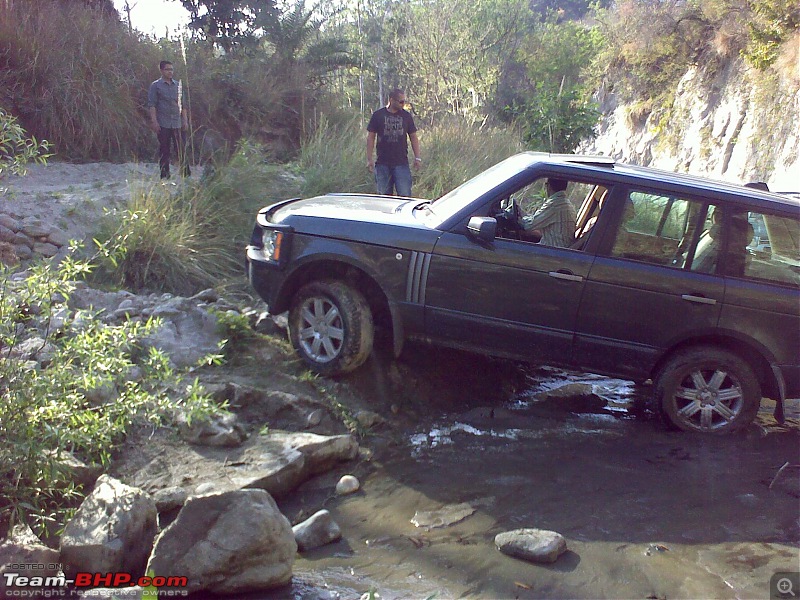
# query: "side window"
{"points": [[543, 211], [772, 249], [660, 230]]}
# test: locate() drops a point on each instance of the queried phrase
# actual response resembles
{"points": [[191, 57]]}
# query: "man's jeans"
{"points": [[166, 138], [397, 177]]}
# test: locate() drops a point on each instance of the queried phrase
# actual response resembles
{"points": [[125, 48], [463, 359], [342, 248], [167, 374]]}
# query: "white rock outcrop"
{"points": [[731, 127]]}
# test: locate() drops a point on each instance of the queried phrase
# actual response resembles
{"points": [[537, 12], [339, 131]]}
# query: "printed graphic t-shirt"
{"points": [[392, 130]]}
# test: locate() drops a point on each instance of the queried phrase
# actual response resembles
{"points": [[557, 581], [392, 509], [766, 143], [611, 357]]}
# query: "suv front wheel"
{"points": [[707, 390], [330, 326]]}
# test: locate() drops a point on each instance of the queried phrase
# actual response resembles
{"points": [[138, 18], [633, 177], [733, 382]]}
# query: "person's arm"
{"points": [[370, 150], [153, 120], [415, 147], [151, 103]]}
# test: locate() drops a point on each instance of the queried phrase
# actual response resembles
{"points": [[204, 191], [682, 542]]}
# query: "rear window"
{"points": [[773, 252]]}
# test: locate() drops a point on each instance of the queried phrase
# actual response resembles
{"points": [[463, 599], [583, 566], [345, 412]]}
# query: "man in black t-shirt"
{"points": [[391, 125]]}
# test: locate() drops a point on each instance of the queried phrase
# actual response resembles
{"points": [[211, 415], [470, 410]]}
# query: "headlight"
{"points": [[272, 241]]}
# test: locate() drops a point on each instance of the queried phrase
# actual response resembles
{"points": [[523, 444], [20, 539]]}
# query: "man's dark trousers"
{"points": [[166, 137]]}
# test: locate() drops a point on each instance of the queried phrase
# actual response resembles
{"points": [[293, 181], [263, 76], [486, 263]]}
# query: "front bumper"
{"points": [[266, 277]]}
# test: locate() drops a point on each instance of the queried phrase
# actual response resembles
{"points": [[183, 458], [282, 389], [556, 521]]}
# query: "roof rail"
{"points": [[586, 159]]}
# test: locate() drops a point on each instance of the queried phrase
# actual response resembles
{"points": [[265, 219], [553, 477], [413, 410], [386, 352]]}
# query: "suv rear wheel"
{"points": [[330, 326], [707, 390]]}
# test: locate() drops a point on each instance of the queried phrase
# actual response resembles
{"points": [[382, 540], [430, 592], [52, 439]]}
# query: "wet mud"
{"points": [[475, 447]]}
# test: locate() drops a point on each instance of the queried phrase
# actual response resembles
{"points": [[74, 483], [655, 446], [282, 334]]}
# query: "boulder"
{"points": [[170, 498], [277, 462], [23, 548], [535, 545], [45, 249], [188, 333], [318, 530], [113, 530], [321, 452], [227, 543]]}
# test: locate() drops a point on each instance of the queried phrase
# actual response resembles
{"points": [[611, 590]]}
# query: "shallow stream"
{"points": [[647, 512]]}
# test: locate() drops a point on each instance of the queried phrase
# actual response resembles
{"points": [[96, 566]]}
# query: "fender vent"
{"points": [[417, 277]]}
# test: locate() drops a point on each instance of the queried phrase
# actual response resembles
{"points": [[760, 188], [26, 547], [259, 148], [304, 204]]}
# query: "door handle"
{"points": [[565, 275], [698, 299]]}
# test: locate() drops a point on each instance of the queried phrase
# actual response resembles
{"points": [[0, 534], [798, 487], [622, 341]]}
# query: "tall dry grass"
{"points": [[76, 77], [334, 158], [185, 238]]}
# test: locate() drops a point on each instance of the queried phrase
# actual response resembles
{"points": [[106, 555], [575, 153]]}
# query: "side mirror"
{"points": [[483, 228]]}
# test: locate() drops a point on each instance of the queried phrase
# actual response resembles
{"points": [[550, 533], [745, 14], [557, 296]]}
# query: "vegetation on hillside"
{"points": [[269, 72]]}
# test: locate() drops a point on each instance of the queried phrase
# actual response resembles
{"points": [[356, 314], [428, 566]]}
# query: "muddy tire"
{"points": [[330, 326], [707, 390]]}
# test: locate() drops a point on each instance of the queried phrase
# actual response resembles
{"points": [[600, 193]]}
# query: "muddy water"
{"points": [[647, 512]]}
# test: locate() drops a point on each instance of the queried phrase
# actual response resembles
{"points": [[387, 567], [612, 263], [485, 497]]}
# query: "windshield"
{"points": [[445, 207]]}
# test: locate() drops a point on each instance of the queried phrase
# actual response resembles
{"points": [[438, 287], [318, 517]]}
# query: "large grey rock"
{"points": [[45, 249], [57, 237], [170, 498], [321, 452], [188, 333], [277, 463], [113, 530], [6, 234], [9, 222], [227, 543], [23, 548], [535, 545], [318, 530]]}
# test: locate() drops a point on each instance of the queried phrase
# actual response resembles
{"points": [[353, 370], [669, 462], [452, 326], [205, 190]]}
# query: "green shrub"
{"points": [[773, 22], [82, 399], [16, 148]]}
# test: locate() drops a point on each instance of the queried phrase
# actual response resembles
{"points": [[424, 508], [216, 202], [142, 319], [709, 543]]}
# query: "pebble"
{"points": [[347, 485], [535, 545]]}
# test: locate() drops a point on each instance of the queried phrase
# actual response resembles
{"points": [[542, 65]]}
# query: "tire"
{"points": [[707, 390], [330, 326]]}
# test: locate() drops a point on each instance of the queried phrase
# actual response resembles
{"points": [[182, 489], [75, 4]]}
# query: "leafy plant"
{"points": [[91, 383], [17, 148]]}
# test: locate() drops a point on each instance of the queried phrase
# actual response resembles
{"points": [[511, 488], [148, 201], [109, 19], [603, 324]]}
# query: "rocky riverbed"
{"points": [[448, 452]]}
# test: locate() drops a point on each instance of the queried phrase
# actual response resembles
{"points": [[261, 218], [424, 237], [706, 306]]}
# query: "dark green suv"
{"points": [[692, 283]]}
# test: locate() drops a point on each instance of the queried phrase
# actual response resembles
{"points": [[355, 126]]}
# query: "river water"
{"points": [[647, 512]]}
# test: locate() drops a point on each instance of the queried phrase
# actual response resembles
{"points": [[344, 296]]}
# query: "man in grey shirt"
{"points": [[555, 220], [169, 117]]}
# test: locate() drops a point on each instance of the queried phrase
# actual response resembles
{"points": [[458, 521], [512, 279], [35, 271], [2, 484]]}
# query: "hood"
{"points": [[365, 208]]}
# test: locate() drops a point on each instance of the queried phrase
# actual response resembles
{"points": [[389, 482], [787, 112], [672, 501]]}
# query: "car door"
{"points": [[508, 297], [643, 292]]}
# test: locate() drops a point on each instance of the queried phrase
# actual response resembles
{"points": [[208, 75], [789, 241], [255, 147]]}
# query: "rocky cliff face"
{"points": [[735, 124]]}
